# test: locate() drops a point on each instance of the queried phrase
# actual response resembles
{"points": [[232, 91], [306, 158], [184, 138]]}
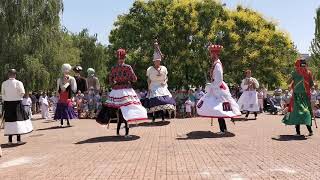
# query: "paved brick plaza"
{"points": [[180, 149]]}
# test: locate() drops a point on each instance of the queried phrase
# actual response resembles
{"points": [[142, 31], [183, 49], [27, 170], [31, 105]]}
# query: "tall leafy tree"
{"points": [[27, 29], [185, 27], [315, 46], [92, 54]]}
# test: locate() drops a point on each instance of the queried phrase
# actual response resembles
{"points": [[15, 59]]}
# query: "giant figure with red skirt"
{"points": [[122, 97]]}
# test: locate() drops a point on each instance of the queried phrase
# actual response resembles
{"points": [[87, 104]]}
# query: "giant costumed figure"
{"points": [[122, 98], [299, 110], [217, 102], [159, 97]]}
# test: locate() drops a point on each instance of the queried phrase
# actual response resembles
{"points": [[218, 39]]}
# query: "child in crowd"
{"points": [[189, 104], [84, 109]]}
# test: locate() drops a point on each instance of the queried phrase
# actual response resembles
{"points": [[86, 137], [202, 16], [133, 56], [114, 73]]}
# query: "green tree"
{"points": [[185, 27], [92, 54], [315, 46], [27, 30]]}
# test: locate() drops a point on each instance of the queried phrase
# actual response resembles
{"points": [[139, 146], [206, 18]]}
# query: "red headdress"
{"points": [[121, 53], [216, 49]]}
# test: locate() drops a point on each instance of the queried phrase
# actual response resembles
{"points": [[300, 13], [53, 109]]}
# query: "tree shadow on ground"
{"points": [[204, 134], [156, 123], [11, 145], [109, 139], [54, 127], [289, 138]]}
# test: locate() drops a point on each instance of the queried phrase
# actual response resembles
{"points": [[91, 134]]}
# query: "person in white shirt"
{"points": [[248, 100], [44, 105], [16, 119], [27, 103]]}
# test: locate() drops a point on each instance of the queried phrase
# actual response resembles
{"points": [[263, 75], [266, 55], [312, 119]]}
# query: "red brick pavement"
{"points": [[183, 149]]}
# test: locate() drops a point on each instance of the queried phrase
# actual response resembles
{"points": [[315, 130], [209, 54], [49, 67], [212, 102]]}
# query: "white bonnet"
{"points": [[66, 68]]}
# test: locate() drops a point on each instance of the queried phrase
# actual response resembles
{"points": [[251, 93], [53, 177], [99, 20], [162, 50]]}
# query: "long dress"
{"points": [[217, 102], [248, 100], [64, 109], [16, 120], [122, 97], [159, 97], [300, 111]]}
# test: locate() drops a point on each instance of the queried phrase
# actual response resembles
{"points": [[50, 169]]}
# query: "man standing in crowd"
{"points": [[34, 103], [248, 101], [16, 119]]}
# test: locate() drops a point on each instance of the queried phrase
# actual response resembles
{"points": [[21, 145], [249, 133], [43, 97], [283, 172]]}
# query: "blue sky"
{"points": [[293, 16]]}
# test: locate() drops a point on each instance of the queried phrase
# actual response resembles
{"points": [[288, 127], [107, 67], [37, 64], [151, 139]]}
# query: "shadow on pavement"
{"points": [[152, 124], [54, 127], [49, 121], [289, 138], [242, 119], [109, 139], [204, 134], [37, 119], [11, 145]]}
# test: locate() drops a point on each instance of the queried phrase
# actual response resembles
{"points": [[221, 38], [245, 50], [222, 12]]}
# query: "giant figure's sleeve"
{"points": [[73, 84], [217, 76], [132, 76], [256, 83], [97, 84], [21, 89], [243, 85], [166, 74], [58, 85]]}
